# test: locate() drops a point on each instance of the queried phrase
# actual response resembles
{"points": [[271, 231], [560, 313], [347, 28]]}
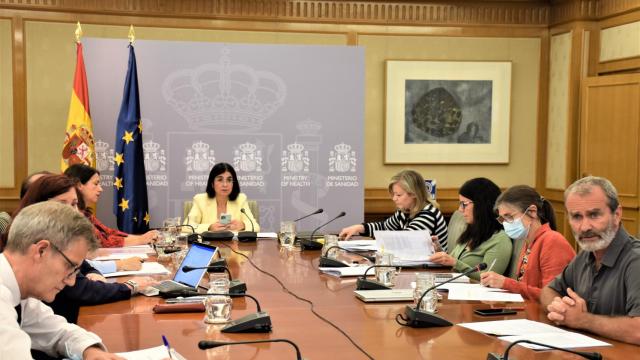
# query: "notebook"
{"points": [[199, 255], [385, 295]]}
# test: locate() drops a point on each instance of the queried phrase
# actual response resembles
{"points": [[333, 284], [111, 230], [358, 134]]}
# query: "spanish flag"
{"points": [[79, 145]]}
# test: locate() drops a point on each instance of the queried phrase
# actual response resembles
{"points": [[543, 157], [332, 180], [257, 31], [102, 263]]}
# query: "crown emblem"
{"points": [[150, 146], [342, 148], [200, 147], [247, 148], [224, 96], [295, 148], [101, 146]]}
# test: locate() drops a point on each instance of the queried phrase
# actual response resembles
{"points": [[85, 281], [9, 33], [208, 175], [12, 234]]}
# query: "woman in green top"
{"points": [[484, 239]]}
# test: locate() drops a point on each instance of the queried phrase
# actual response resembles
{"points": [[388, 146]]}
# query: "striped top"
{"points": [[430, 218]]}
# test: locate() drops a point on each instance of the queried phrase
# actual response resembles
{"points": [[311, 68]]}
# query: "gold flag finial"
{"points": [[132, 35], [78, 32]]}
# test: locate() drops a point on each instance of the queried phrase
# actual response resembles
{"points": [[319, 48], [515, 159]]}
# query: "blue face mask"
{"points": [[515, 229]]}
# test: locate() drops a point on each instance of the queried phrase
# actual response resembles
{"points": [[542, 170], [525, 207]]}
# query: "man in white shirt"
{"points": [[45, 247]]}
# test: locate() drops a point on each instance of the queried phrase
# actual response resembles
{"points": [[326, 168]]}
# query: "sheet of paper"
{"points": [[358, 245], [148, 268], [566, 340], [405, 245], [467, 292], [154, 353], [267, 235], [345, 271], [120, 256], [512, 327]]}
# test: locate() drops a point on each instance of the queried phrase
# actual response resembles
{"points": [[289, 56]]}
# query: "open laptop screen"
{"points": [[198, 255]]}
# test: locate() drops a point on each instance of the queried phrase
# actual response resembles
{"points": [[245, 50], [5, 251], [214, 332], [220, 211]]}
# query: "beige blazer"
{"points": [[205, 212]]}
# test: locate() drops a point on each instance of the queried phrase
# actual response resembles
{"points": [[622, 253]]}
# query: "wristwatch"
{"points": [[134, 286]]}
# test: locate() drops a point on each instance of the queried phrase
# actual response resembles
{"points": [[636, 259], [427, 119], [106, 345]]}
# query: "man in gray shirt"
{"points": [[599, 291]]}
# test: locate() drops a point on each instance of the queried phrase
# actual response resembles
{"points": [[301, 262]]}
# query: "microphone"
{"points": [[310, 244], [247, 236], [235, 286], [319, 211], [326, 261], [204, 344], [417, 318], [584, 354], [364, 284], [259, 322]]}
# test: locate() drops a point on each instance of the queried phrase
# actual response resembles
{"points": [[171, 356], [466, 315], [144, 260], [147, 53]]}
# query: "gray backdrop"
{"points": [[289, 118]]}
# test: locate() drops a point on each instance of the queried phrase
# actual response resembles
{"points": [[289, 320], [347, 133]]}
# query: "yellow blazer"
{"points": [[204, 212]]}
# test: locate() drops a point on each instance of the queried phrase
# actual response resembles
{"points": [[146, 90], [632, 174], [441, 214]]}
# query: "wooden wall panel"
{"points": [[610, 132]]}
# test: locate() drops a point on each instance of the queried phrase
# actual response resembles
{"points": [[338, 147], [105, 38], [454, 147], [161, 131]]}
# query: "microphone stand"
{"points": [[420, 319], [584, 354], [247, 236], [204, 344], [326, 261], [364, 284], [235, 286], [310, 244], [259, 322]]}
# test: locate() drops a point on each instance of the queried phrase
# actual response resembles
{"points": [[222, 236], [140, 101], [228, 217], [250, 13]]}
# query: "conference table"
{"points": [[131, 324]]}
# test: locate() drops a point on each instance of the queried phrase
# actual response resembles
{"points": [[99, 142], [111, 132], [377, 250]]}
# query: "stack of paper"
{"points": [[120, 256], [407, 246], [523, 329], [148, 268], [154, 353], [345, 271], [466, 292], [358, 245]]}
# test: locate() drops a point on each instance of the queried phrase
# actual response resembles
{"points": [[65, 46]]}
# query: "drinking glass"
{"points": [[424, 281], [385, 275], [218, 307], [287, 235], [329, 241]]}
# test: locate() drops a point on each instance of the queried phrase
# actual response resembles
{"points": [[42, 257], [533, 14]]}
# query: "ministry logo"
{"points": [[199, 158], [248, 158], [342, 159], [154, 157], [104, 156], [295, 159]]}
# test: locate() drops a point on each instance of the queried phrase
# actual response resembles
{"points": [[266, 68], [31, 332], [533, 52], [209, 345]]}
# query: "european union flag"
{"points": [[130, 203]]}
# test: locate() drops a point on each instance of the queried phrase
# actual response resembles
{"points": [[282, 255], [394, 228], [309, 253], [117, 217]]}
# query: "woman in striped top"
{"points": [[416, 210]]}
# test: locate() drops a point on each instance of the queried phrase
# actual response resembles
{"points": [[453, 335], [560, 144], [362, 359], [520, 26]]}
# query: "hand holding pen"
{"points": [[491, 279]]}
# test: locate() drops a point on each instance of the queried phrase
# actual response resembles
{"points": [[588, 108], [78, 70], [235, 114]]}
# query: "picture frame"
{"points": [[440, 112]]}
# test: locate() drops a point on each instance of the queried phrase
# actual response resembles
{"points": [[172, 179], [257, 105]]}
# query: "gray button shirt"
{"points": [[614, 290]]}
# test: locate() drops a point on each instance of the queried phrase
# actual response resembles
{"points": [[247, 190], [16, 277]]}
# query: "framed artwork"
{"points": [[447, 112]]}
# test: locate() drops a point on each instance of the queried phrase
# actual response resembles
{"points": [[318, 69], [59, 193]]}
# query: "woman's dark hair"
{"points": [[522, 197], [483, 192], [221, 168], [81, 172]]}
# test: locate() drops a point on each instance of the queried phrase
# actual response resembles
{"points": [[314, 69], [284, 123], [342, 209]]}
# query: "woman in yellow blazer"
{"points": [[222, 197]]}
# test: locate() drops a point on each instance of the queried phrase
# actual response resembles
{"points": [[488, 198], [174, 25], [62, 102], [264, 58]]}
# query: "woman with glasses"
{"points": [[416, 210], [526, 215], [90, 191], [85, 291], [220, 207], [484, 240]]}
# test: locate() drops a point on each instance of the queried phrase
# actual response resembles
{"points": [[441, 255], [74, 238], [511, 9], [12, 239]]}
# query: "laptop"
{"points": [[385, 295], [199, 255]]}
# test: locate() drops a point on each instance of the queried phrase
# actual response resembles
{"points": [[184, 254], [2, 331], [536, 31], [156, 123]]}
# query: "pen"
{"points": [[166, 343], [491, 266]]}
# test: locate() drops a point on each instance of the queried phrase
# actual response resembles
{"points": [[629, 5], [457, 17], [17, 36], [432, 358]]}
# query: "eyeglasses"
{"points": [[464, 204], [223, 180], [509, 218], [74, 266]]}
